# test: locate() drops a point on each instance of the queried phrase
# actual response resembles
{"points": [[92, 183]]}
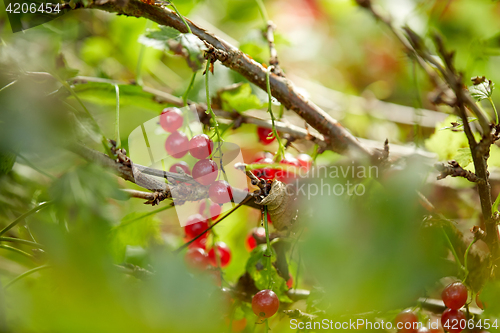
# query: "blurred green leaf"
{"points": [[105, 94], [448, 145], [240, 99], [256, 267], [367, 251], [134, 230], [7, 161]]}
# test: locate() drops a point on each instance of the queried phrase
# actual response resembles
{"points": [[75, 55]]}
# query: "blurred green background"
{"points": [[357, 254]]}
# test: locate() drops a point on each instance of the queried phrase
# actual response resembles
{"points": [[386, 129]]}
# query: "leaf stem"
{"points": [[182, 17], [31, 271], [209, 106], [34, 167], [281, 148], [465, 258], [13, 249], [156, 211], [263, 11], [494, 109], [117, 117], [190, 86], [459, 263], [19, 240], [7, 85], [23, 216]]}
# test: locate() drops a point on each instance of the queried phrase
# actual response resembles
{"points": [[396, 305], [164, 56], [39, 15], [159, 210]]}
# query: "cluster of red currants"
{"points": [[302, 163], [197, 256], [453, 320], [205, 171], [454, 297]]}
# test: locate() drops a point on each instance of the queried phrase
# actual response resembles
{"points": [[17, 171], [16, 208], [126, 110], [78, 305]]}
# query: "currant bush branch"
{"points": [[449, 83], [337, 137], [148, 178]]}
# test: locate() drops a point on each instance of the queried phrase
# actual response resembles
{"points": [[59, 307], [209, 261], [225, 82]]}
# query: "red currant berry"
{"points": [[453, 320], [214, 210], [454, 295], [195, 225], [200, 146], [262, 155], [224, 254], [305, 161], [220, 192], [286, 175], [265, 303], [197, 258], [266, 173], [479, 303], [200, 242], [237, 325], [263, 134], [177, 144], [289, 282], [205, 172], [406, 322], [251, 242], [171, 119], [183, 165]]}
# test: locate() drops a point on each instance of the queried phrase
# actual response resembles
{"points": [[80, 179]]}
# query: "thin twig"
{"points": [[338, 138]]}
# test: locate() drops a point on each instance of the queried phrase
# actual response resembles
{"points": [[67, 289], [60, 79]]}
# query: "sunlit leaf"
{"points": [[482, 88], [240, 99]]}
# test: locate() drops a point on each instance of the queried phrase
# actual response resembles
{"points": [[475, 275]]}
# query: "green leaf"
{"points": [[240, 99], [489, 297], [104, 94], [158, 38], [186, 45], [7, 161], [463, 157], [194, 46], [448, 145], [482, 88], [135, 229], [256, 265]]}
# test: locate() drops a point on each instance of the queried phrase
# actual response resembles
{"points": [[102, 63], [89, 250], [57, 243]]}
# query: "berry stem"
{"points": [[465, 259], [452, 249], [281, 148], [190, 86], [117, 117], [267, 325], [183, 246], [268, 252]]}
